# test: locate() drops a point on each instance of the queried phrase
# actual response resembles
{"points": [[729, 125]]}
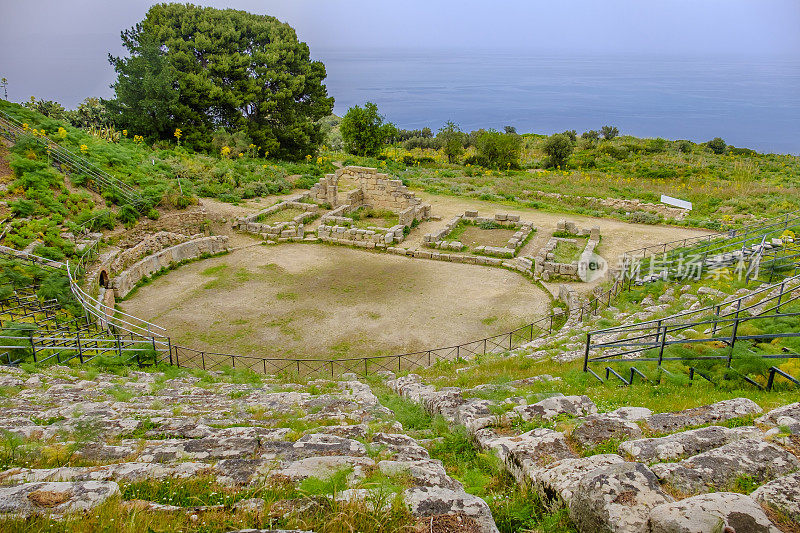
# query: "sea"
{"points": [[749, 102]]}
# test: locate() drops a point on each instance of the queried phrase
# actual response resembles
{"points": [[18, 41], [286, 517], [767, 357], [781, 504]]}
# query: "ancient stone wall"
{"points": [[547, 267], [280, 231], [374, 189], [126, 280], [524, 230]]}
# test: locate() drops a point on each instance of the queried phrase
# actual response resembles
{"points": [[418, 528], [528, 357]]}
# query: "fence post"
{"points": [[663, 343], [169, 345], [716, 318], [33, 347], [80, 348], [780, 297], [586, 352], [365, 367], [733, 339], [203, 359]]}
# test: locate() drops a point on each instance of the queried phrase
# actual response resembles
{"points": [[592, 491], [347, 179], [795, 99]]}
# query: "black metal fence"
{"points": [[69, 162], [724, 324]]}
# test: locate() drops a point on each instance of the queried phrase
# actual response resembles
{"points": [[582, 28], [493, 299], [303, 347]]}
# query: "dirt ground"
{"points": [[473, 236], [308, 300]]}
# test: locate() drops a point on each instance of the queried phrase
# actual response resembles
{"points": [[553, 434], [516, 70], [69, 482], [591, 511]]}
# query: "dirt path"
{"points": [[307, 300]]}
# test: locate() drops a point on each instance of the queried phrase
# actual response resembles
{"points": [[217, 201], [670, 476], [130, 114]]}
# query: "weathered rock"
{"points": [[524, 455], [783, 494], [445, 402], [324, 444], [616, 498], [559, 480], [202, 449], [707, 414], [427, 473], [686, 443], [55, 497], [119, 472], [324, 466], [709, 513], [402, 447], [550, 408], [718, 468], [476, 414], [602, 427], [787, 411], [432, 501]]}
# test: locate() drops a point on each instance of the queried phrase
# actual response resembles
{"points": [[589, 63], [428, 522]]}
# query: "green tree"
{"points": [[364, 131], [717, 145], [452, 140], [228, 69], [146, 89], [558, 148], [609, 132], [590, 137], [498, 150], [49, 108], [90, 112]]}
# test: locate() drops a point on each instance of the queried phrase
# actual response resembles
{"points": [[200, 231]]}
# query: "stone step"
{"points": [[719, 468], [707, 414], [782, 494], [684, 444], [721, 511]]}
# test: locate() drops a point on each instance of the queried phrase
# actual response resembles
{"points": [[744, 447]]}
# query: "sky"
{"points": [[57, 49]]}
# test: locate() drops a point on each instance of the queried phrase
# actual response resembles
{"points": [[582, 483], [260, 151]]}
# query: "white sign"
{"points": [[677, 202]]}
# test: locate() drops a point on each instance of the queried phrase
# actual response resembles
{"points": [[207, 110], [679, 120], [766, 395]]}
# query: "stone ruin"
{"points": [[374, 190], [284, 230], [547, 267], [524, 230]]}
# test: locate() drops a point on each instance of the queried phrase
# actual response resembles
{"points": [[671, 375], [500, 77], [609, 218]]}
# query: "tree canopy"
{"points": [[364, 131], [201, 69]]}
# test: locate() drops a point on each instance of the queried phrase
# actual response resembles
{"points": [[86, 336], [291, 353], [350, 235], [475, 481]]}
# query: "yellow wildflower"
{"points": [[84, 148]]}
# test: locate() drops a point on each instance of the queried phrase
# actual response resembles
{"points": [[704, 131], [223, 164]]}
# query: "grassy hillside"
{"points": [[727, 189]]}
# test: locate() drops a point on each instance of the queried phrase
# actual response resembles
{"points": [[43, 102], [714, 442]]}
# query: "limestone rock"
{"points": [[427, 473], [686, 443], [707, 414], [711, 512], [55, 497], [550, 408], [718, 468], [602, 427], [561, 478], [324, 466], [782, 494], [787, 411], [432, 501], [524, 455], [617, 498]]}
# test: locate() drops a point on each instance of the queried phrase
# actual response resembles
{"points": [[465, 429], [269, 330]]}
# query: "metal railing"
{"points": [[12, 129], [649, 341]]}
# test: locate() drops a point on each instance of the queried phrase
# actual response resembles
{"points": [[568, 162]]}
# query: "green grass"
{"points": [[567, 252], [284, 215], [364, 217]]}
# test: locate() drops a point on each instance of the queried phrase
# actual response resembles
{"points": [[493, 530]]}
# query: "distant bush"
{"points": [[685, 147], [717, 145], [643, 217], [498, 150], [421, 142], [609, 132], [558, 148], [618, 153]]}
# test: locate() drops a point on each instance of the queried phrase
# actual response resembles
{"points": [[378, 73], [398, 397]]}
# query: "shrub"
{"points": [[498, 150], [609, 132], [558, 148], [364, 131], [717, 145]]}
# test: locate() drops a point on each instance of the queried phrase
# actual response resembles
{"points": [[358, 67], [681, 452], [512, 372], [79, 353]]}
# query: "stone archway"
{"points": [[103, 279]]}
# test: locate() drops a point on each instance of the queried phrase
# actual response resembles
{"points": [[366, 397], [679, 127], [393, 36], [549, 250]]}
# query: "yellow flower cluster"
{"points": [[178, 133], [124, 133], [84, 148], [138, 138], [225, 151], [62, 133]]}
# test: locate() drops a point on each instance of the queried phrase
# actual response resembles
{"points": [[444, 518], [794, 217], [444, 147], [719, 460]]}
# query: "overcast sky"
{"points": [[57, 49]]}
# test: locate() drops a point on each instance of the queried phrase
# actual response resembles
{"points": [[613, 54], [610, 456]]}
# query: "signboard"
{"points": [[677, 202]]}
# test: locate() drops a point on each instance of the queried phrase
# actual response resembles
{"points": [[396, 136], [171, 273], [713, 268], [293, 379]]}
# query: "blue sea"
{"points": [[749, 102]]}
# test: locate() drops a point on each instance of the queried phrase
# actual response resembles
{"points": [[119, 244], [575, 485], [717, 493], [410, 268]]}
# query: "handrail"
{"points": [[11, 128]]}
